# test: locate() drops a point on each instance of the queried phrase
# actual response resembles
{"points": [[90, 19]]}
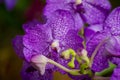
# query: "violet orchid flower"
{"points": [[10, 4], [104, 45], [83, 11], [42, 45], [56, 45]]}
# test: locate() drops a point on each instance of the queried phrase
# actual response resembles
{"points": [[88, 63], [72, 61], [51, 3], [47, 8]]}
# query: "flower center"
{"points": [[82, 56]]}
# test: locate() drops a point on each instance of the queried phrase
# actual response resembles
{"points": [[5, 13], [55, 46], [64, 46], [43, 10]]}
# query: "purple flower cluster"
{"points": [[57, 45]]}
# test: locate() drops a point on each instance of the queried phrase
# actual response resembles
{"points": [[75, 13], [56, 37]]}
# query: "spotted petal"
{"points": [[50, 9], [105, 4], [116, 74], [37, 39], [113, 46], [59, 1], [18, 45], [73, 40], [92, 14], [91, 30], [101, 55], [30, 25], [113, 22], [60, 23], [115, 60], [100, 59]]}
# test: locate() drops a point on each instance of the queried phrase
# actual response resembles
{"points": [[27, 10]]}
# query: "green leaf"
{"points": [[108, 71]]}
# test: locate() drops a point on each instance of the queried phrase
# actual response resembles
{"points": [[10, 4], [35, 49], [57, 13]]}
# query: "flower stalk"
{"points": [[40, 61]]}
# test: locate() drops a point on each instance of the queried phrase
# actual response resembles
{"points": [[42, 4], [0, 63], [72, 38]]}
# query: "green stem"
{"points": [[107, 71], [39, 62], [71, 71]]}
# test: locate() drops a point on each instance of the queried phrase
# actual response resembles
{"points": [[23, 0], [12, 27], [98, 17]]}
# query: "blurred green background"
{"points": [[11, 25]]}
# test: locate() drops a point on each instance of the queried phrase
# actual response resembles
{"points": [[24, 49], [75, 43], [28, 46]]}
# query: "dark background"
{"points": [[11, 25]]}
